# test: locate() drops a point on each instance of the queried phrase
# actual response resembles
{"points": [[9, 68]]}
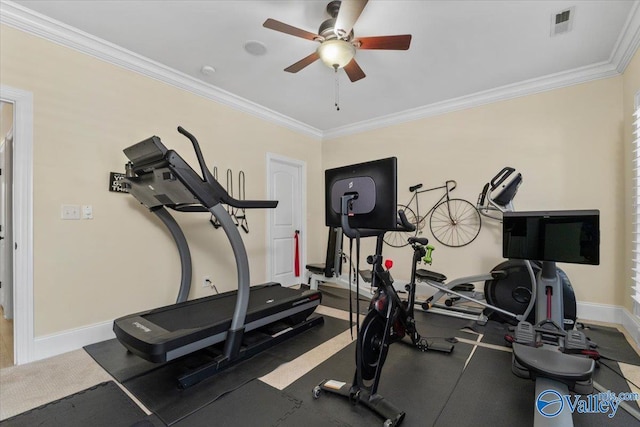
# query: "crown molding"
{"points": [[32, 22], [27, 20], [629, 40], [516, 90]]}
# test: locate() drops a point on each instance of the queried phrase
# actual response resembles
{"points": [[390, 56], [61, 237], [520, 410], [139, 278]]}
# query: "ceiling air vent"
{"points": [[562, 22]]}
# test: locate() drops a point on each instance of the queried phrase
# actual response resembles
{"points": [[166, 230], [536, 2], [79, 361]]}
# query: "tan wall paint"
{"points": [[85, 112], [631, 86], [568, 145], [6, 119]]}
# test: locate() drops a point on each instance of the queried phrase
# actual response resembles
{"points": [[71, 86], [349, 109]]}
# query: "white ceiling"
{"points": [[462, 52]]}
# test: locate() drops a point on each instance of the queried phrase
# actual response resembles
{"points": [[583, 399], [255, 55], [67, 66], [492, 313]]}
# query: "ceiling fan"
{"points": [[338, 45]]}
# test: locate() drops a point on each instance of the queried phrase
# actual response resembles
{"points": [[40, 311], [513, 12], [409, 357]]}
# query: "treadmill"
{"points": [[242, 322]]}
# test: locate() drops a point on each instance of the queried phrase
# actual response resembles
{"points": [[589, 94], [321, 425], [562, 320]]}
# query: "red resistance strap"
{"points": [[296, 262]]}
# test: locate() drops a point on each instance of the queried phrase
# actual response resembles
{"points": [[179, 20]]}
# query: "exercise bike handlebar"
{"points": [[221, 193], [402, 223]]}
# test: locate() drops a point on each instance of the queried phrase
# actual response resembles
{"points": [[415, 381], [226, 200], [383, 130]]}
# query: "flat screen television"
{"points": [[374, 183], [560, 236]]}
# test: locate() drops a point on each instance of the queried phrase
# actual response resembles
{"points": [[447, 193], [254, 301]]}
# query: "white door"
{"points": [[285, 183]]}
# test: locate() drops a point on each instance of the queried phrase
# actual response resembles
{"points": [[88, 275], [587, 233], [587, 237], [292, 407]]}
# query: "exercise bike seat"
{"points": [[424, 274], [551, 363], [316, 268], [420, 240]]}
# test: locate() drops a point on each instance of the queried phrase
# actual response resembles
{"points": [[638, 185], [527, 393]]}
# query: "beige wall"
{"points": [[568, 145], [6, 119], [85, 112], [631, 86]]}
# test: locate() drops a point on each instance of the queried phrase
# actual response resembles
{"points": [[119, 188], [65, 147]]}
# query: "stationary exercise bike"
{"points": [[389, 319]]}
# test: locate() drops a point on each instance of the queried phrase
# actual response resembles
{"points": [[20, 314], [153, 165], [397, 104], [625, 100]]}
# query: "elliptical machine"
{"points": [[509, 288], [389, 318]]}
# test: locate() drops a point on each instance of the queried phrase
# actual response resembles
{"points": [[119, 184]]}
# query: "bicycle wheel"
{"points": [[398, 239], [455, 223]]}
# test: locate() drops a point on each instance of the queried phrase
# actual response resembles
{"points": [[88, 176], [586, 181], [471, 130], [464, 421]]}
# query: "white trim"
{"points": [[631, 324], [40, 25], [32, 22], [72, 339], [629, 40], [23, 328], [599, 312], [302, 169], [528, 87]]}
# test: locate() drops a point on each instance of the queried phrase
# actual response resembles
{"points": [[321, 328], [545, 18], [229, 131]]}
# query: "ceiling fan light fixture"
{"points": [[336, 53]]}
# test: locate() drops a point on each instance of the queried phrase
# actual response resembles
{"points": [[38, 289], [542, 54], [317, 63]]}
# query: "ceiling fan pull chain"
{"points": [[337, 94]]}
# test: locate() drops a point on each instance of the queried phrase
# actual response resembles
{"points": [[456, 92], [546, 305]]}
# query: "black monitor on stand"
{"points": [[556, 359], [371, 188]]}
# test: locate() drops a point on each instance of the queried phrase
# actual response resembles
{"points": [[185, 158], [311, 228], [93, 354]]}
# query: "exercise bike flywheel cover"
{"points": [[372, 334]]}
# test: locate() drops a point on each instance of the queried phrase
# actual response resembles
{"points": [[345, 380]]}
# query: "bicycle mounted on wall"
{"points": [[453, 222]]}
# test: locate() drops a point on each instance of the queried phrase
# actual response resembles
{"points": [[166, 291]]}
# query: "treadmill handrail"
{"points": [[224, 197]]}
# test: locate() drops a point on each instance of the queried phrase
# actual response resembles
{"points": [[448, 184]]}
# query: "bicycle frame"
{"points": [[449, 186]]}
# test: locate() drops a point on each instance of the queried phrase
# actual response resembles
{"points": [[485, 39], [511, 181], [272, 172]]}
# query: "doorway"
{"points": [[21, 244], [286, 253], [6, 234]]}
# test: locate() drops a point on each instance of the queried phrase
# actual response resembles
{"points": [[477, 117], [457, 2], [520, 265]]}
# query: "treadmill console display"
{"points": [[560, 236]]}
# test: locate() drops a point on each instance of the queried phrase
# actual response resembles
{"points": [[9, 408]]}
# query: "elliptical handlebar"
{"points": [[501, 176]]}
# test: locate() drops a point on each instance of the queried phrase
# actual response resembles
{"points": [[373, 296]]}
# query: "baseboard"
{"points": [[632, 324], [611, 314], [73, 339], [599, 312]]}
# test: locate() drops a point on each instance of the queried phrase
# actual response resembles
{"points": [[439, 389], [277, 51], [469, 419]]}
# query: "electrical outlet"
{"points": [[70, 212], [206, 282], [87, 212]]}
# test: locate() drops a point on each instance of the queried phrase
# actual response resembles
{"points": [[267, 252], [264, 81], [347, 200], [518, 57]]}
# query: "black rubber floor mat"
{"points": [[102, 405], [158, 390], [612, 344], [120, 363], [257, 404], [335, 297], [488, 393], [416, 382]]}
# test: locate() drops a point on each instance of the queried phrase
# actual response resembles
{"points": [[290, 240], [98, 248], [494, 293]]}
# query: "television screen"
{"points": [[561, 236], [374, 183]]}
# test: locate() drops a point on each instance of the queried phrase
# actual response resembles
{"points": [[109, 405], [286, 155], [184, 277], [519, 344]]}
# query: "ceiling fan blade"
{"points": [[349, 13], [272, 24], [294, 68], [354, 71], [400, 42]]}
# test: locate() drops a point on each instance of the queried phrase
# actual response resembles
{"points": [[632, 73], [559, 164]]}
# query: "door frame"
{"points": [[23, 319], [301, 166]]}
